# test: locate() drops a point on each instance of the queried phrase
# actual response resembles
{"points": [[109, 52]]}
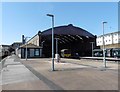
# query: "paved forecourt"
{"points": [[69, 74], [73, 74]]}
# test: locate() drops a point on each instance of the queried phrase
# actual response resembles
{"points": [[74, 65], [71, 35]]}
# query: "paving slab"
{"points": [[15, 76]]}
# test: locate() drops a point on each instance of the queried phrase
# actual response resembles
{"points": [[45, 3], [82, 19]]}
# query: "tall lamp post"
{"points": [[52, 16], [26, 48], [104, 61]]}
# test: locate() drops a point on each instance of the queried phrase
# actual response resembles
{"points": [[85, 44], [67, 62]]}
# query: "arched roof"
{"points": [[69, 37], [68, 30]]}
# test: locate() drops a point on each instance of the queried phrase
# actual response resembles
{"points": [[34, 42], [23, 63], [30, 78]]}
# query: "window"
{"points": [[31, 52], [22, 53], [115, 34], [36, 52]]}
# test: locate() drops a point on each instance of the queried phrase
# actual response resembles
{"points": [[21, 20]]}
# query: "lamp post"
{"points": [[26, 48], [104, 61], [52, 16], [92, 47]]}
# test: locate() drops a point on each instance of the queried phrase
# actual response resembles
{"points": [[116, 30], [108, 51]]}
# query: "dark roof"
{"points": [[5, 45], [20, 43], [68, 30], [17, 43]]}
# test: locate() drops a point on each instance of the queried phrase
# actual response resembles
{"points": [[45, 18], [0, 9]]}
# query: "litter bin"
{"points": [[57, 57]]}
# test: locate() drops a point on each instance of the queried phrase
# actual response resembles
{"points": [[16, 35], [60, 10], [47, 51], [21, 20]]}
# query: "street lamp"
{"points": [[26, 47], [104, 61], [52, 16], [92, 47]]}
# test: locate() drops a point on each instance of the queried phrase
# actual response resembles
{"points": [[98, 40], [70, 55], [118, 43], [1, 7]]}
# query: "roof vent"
{"points": [[39, 32], [70, 25]]}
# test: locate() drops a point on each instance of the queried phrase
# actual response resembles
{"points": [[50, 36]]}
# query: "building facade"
{"points": [[36, 40], [33, 51], [4, 50], [112, 44], [76, 39], [111, 40], [16, 45]]}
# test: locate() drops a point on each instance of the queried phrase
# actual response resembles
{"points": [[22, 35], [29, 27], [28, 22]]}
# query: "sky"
{"points": [[28, 18]]}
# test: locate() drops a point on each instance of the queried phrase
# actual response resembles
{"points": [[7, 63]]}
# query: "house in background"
{"points": [[16, 45], [4, 50]]}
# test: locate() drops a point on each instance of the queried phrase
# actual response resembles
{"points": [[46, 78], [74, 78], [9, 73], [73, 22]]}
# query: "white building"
{"points": [[112, 40]]}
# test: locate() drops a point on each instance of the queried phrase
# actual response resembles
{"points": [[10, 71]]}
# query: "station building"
{"points": [[112, 44], [76, 39], [33, 51], [111, 40]]}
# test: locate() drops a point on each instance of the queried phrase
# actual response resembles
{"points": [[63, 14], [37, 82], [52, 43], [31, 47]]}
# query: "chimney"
{"points": [[23, 39]]}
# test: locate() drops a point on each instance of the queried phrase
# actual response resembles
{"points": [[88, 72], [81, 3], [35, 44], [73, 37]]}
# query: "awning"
{"points": [[30, 46]]}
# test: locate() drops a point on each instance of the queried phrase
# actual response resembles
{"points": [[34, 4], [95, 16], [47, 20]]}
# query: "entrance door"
{"points": [[31, 52]]}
